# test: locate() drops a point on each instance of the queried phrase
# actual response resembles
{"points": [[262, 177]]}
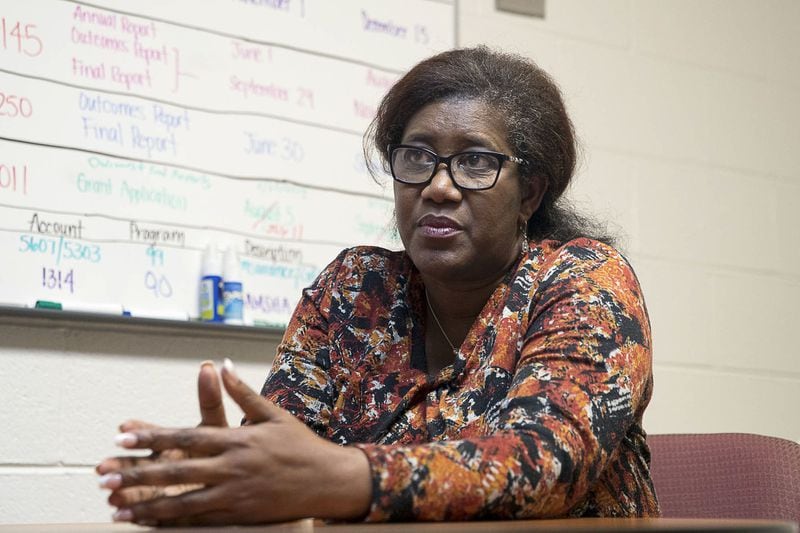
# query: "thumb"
{"points": [[256, 408]]}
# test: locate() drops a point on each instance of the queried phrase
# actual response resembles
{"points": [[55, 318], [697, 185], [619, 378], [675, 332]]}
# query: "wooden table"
{"points": [[596, 525]]}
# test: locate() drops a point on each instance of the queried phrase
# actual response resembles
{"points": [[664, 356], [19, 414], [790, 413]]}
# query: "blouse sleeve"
{"points": [[583, 378], [299, 380]]}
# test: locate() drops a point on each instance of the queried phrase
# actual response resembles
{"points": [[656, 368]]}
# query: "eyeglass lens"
{"points": [[470, 170]]}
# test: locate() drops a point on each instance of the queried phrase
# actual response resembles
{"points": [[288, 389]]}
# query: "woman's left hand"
{"points": [[273, 469]]}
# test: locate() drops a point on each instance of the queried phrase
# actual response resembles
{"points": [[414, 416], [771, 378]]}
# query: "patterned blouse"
{"points": [[539, 416]]}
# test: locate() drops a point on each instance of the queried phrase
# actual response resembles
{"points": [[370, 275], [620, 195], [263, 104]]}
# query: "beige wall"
{"points": [[65, 387], [688, 112]]}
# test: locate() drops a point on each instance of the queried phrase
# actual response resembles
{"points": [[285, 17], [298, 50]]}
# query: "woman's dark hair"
{"points": [[526, 99]]}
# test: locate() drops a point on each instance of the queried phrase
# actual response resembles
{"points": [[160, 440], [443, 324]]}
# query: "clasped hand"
{"points": [[274, 468]]}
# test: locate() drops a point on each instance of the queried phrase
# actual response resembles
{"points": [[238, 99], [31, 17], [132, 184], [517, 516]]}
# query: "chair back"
{"points": [[726, 475]]}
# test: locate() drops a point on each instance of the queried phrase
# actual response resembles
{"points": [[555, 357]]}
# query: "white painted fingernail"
{"points": [[122, 515], [228, 365], [110, 481], [126, 439]]}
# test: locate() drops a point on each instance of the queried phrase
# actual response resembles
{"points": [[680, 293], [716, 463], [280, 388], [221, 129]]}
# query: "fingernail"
{"points": [[122, 515], [110, 481], [227, 364], [126, 439], [207, 362]]}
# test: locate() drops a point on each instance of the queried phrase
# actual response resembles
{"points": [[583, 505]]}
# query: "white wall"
{"points": [[688, 112]]}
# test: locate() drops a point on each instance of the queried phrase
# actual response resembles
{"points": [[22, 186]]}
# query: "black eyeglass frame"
{"points": [[501, 158]]}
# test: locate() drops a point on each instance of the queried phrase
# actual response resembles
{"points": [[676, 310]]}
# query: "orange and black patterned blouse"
{"points": [[539, 416]]}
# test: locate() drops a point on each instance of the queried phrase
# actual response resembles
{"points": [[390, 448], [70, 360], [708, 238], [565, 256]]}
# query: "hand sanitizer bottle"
{"points": [[232, 293], [211, 306]]}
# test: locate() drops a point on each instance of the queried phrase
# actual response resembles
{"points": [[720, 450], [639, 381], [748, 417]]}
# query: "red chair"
{"points": [[726, 475]]}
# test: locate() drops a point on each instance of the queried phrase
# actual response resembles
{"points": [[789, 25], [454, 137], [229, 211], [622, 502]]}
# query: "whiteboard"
{"points": [[134, 134]]}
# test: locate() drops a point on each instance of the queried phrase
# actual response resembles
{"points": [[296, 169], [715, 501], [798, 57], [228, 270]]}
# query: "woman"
{"points": [[499, 367]]}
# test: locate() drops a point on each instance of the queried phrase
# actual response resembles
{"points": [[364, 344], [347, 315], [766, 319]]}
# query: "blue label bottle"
{"points": [[232, 292], [212, 308]]}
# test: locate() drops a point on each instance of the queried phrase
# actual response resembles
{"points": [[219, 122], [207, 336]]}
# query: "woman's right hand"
{"points": [[212, 413], [273, 469]]}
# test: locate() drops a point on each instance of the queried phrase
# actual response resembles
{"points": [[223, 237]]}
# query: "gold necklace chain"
{"points": [[436, 319]]}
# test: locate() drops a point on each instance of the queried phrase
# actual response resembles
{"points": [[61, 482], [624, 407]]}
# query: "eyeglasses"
{"points": [[471, 170]]}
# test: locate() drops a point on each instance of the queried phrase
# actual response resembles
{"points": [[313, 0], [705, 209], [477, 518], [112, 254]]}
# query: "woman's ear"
{"points": [[533, 191]]}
